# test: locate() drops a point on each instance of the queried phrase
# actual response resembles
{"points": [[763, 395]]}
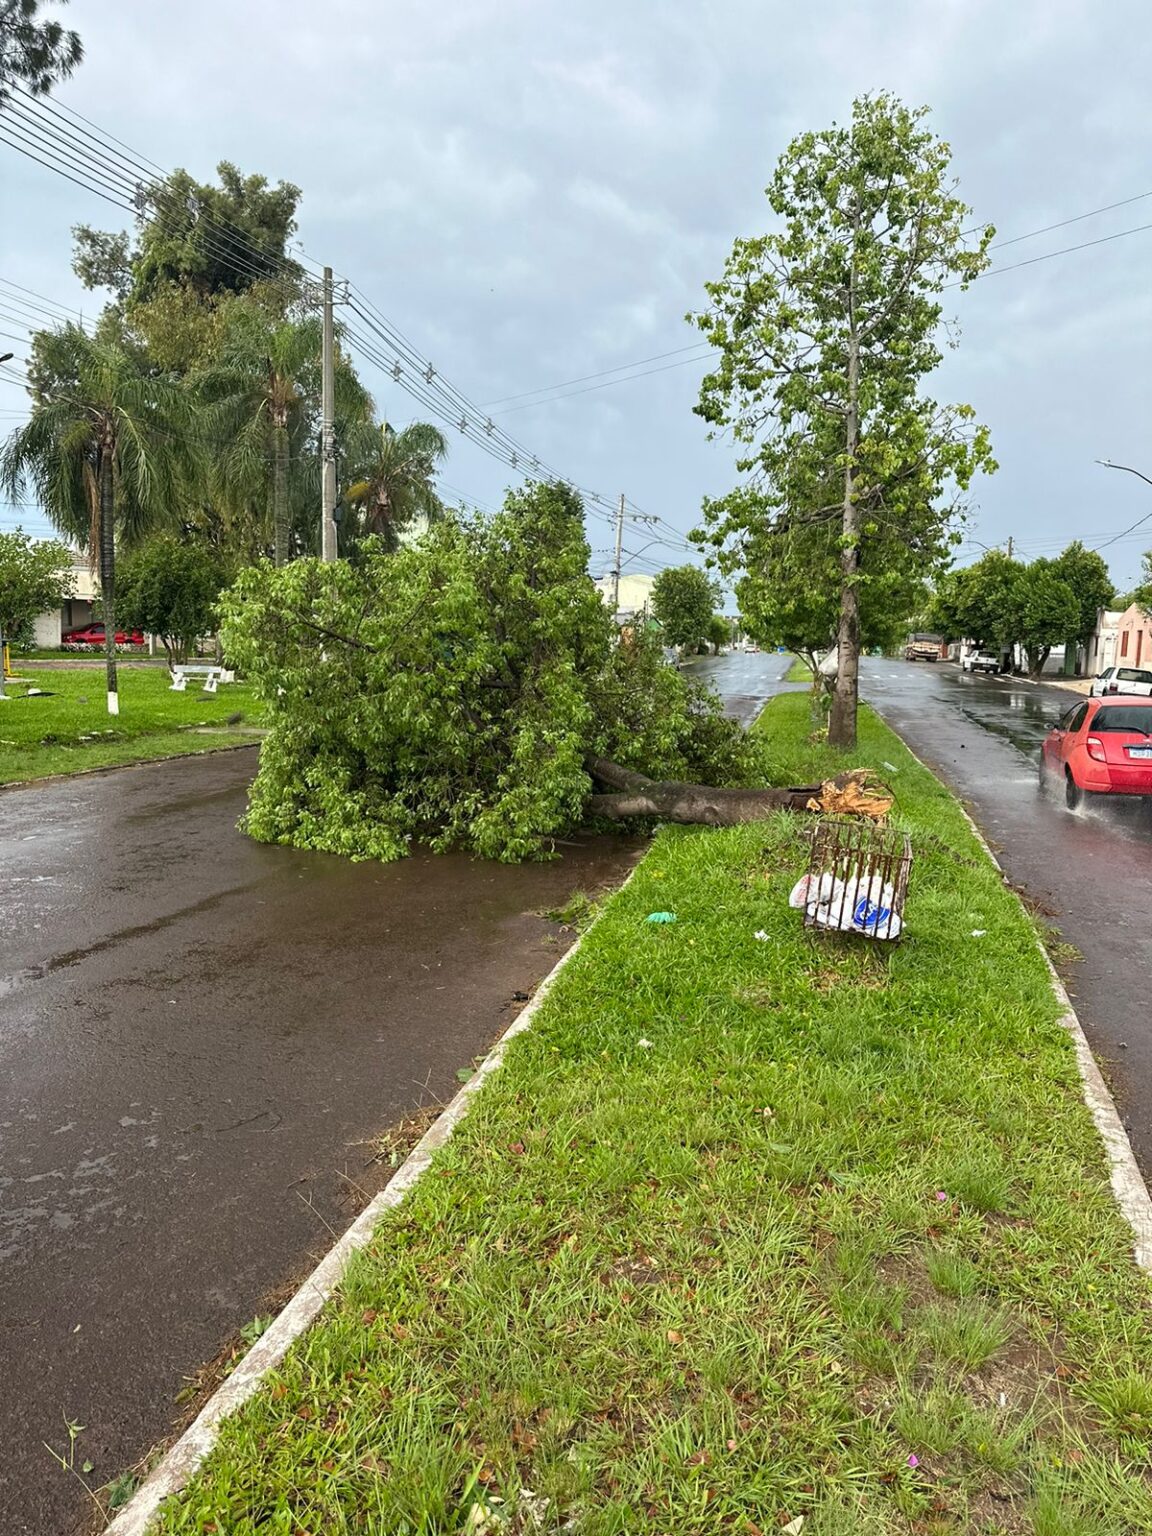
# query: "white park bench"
{"points": [[212, 676]]}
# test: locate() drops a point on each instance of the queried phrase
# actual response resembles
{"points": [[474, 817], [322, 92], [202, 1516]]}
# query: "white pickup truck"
{"points": [[980, 661]]}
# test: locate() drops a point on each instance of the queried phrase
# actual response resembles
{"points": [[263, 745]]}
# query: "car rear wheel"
{"points": [[1073, 794]]}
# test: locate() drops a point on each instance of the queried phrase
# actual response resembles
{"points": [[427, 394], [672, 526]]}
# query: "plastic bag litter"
{"points": [[860, 904]]}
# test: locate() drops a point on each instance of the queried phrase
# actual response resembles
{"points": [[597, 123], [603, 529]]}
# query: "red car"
{"points": [[1101, 747], [93, 634]]}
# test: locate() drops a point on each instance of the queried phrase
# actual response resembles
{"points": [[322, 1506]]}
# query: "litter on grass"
{"points": [[660, 917], [857, 879]]}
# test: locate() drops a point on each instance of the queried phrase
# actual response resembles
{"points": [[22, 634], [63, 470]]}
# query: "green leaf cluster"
{"points": [[999, 602], [168, 587], [35, 574], [451, 692], [684, 601]]}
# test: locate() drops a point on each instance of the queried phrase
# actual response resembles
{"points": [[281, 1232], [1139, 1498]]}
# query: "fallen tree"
{"points": [[854, 793], [472, 692]]}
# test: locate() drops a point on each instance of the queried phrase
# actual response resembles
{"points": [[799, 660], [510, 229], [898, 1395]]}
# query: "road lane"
{"points": [[1091, 868], [199, 1038]]}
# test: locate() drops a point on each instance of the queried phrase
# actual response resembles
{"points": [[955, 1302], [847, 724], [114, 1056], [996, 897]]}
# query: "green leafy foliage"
{"points": [[35, 574], [683, 599], [1086, 573], [452, 691], [998, 602], [35, 54], [826, 329], [169, 587]]}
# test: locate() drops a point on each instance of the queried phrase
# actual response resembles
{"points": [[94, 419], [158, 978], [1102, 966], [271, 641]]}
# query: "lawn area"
{"points": [[753, 1232], [72, 729], [799, 671]]}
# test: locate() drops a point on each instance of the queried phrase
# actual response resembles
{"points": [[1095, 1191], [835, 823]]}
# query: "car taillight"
{"points": [[1095, 749]]}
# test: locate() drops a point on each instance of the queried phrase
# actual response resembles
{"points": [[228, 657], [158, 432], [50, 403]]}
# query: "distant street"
{"points": [[199, 1039]]}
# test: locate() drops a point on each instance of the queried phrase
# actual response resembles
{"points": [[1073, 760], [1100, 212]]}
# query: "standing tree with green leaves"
{"points": [[980, 602], [1086, 572], [168, 587], [1048, 612], [265, 388], [393, 485], [35, 575], [34, 54], [827, 329], [107, 449], [684, 599]]}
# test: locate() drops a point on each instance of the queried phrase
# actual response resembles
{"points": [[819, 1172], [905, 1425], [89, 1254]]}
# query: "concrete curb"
{"points": [[1128, 1185], [136, 762], [182, 1460]]}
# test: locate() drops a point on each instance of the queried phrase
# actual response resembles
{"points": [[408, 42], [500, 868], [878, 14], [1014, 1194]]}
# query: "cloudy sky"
{"points": [[535, 192]]}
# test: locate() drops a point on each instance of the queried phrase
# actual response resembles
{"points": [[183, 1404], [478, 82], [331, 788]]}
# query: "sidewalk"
{"points": [[754, 1231]]}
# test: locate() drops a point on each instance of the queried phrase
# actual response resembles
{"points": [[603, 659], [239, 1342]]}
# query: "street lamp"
{"points": [[6, 357]]}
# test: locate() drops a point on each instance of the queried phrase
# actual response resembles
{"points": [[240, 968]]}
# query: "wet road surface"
{"points": [[199, 1039], [1092, 868], [745, 682]]}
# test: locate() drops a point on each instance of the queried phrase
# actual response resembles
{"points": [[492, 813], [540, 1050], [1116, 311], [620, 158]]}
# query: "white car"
{"points": [[980, 661], [1121, 680]]}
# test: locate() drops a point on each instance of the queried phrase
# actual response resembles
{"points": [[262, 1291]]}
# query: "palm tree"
{"points": [[265, 390], [396, 486], [107, 448]]}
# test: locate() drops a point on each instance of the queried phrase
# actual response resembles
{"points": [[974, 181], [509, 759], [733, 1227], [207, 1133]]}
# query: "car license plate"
{"points": [[1140, 751]]}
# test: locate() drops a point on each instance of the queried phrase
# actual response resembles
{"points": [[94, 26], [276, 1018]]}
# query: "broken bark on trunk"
{"points": [[857, 792]]}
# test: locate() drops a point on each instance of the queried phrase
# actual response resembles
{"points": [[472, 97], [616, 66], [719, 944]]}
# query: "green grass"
{"points": [[72, 730], [742, 1231], [798, 672]]}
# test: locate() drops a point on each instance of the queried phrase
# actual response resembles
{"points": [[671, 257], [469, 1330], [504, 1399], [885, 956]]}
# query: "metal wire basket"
{"points": [[857, 879]]}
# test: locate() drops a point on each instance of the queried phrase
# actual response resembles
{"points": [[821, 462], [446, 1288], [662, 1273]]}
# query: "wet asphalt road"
{"points": [[199, 1039], [744, 682], [1092, 868]]}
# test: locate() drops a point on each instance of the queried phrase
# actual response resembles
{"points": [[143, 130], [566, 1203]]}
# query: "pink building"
{"points": [[1134, 638]]}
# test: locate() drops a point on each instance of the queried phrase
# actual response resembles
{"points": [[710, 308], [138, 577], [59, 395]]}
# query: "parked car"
{"points": [[93, 634], [1121, 680], [980, 661], [1101, 747]]}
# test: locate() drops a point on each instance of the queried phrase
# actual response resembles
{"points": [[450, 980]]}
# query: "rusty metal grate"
{"points": [[857, 879]]}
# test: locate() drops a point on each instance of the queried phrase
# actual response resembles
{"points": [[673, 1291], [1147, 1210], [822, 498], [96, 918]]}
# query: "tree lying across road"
{"points": [[472, 692]]}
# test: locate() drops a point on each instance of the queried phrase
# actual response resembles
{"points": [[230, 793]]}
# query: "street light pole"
{"points": [[619, 549]]}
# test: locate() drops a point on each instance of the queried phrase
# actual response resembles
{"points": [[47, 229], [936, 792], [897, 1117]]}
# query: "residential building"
{"points": [[75, 612], [635, 593], [1103, 643], [1134, 636]]}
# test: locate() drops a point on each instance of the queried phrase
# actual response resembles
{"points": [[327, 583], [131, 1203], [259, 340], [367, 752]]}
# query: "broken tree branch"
{"points": [[855, 793]]}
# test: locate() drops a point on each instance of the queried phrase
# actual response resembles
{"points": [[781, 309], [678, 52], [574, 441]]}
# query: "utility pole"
{"points": [[328, 431], [619, 551], [1009, 546]]}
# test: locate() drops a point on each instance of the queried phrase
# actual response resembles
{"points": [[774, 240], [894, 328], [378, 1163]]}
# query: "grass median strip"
{"points": [[751, 1233], [67, 727]]}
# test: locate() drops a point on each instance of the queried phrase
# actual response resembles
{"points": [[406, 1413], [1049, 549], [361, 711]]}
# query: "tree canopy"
{"points": [[455, 691], [1086, 572], [826, 330], [35, 575], [684, 599], [168, 587], [36, 54]]}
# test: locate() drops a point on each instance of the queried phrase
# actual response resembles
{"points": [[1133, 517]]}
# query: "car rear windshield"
{"points": [[1133, 675], [1124, 717]]}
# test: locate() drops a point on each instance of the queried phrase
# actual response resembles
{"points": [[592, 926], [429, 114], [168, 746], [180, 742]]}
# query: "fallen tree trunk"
{"points": [[857, 793]]}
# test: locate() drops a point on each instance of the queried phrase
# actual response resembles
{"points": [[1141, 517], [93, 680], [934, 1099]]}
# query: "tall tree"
{"points": [[826, 330], [265, 388], [980, 602], [210, 239], [35, 574], [394, 484], [108, 447], [1048, 612], [33, 53], [168, 587], [684, 599], [1086, 572]]}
